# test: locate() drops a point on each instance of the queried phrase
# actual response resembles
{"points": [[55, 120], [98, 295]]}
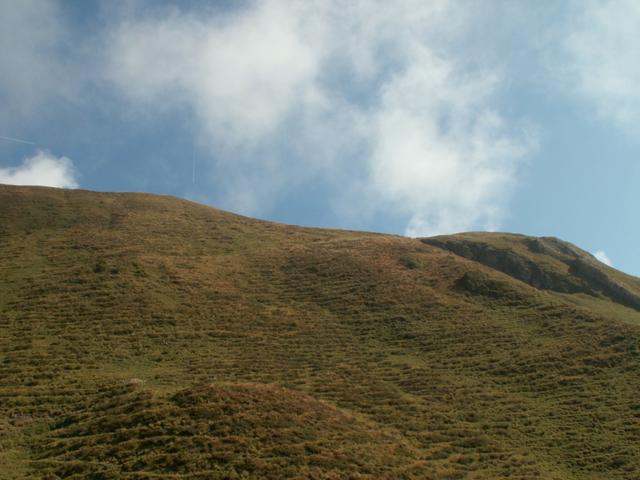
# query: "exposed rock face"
{"points": [[509, 262], [603, 282], [583, 275]]}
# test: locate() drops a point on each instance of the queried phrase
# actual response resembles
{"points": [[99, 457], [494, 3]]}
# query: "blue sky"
{"points": [[407, 117]]}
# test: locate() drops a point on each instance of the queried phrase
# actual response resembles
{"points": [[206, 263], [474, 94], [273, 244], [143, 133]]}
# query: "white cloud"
{"points": [[603, 257], [601, 58], [440, 152], [32, 72], [368, 97], [241, 72], [41, 169]]}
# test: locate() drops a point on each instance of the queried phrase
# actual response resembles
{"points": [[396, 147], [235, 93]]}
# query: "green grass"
{"points": [[271, 351]]}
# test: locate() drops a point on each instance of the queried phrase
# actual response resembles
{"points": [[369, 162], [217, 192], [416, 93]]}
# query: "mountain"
{"points": [[148, 337]]}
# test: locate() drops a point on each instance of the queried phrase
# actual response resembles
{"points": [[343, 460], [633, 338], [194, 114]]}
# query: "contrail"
{"points": [[11, 139]]}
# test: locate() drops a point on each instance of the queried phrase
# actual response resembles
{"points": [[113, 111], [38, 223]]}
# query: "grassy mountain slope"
{"points": [[150, 337]]}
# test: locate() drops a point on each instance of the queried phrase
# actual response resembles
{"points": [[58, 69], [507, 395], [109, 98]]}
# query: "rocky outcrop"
{"points": [[509, 262], [583, 274], [592, 275]]}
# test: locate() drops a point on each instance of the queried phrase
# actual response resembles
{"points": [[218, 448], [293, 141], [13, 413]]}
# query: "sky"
{"points": [[410, 117]]}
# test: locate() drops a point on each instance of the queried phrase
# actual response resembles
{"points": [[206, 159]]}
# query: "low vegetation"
{"points": [[146, 337]]}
